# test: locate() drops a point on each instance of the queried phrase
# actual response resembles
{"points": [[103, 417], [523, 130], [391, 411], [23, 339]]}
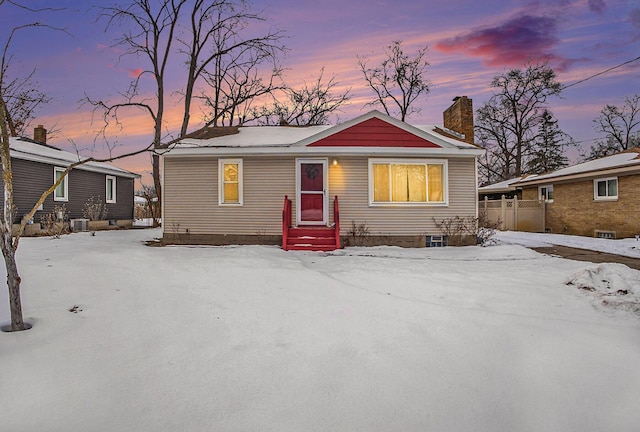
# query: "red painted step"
{"points": [[311, 239]]}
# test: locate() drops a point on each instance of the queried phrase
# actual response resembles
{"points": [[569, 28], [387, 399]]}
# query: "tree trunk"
{"points": [[157, 184], [13, 282]]}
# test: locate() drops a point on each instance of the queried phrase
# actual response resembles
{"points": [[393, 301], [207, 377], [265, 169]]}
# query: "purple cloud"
{"points": [[512, 43], [597, 6]]}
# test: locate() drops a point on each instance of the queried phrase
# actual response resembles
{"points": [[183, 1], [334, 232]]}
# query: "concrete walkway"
{"points": [[588, 255]]}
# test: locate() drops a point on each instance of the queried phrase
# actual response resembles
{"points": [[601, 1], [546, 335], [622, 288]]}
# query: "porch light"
{"points": [[335, 162]]}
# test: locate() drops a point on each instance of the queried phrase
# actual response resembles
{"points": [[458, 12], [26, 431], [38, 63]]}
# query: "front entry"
{"points": [[311, 190]]}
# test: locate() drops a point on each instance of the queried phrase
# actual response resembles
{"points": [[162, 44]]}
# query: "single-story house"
{"points": [[36, 166], [596, 198], [318, 187]]}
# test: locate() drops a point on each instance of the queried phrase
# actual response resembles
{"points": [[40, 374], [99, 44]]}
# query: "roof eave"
{"points": [[629, 169], [336, 151]]}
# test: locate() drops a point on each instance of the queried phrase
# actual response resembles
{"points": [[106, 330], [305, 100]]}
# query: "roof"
{"points": [[627, 161], [27, 149], [309, 140], [505, 185]]}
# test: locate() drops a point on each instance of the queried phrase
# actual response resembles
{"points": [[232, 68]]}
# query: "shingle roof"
{"points": [[628, 159]]}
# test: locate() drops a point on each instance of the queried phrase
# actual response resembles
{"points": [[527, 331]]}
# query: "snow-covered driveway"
{"points": [[253, 338]]}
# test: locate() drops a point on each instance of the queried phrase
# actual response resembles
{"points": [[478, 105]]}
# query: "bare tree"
{"points": [[197, 33], [235, 81], [307, 106], [399, 81], [621, 126], [507, 124], [19, 98]]}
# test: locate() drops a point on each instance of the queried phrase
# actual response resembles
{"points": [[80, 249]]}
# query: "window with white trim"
{"points": [[230, 182], [605, 189], [545, 193], [61, 192], [407, 182], [111, 190]]}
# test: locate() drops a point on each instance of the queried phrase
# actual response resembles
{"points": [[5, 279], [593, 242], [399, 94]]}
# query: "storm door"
{"points": [[311, 191]]}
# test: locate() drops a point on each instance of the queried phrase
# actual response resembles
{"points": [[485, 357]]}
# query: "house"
{"points": [[36, 165], [318, 187], [596, 198], [504, 188]]}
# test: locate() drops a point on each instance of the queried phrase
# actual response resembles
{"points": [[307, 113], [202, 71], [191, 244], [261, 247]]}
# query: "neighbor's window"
{"points": [[605, 189], [111, 189], [61, 192], [407, 181], [545, 193], [230, 181]]}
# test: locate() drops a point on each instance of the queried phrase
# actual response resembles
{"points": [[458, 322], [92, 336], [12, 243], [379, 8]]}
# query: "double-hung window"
{"points": [[545, 193], [111, 190], [61, 192], [605, 189], [230, 182], [407, 182]]}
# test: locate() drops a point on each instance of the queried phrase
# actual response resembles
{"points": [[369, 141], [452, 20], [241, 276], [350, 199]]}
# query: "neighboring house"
{"points": [[36, 165], [504, 188], [596, 198], [374, 176]]}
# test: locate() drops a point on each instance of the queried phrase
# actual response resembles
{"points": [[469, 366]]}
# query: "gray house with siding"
{"points": [[306, 187], [36, 165]]}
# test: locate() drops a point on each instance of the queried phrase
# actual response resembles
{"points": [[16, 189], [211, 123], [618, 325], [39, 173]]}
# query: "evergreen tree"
{"points": [[547, 151]]}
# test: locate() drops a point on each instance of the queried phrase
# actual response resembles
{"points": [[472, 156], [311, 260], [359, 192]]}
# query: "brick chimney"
{"points": [[40, 134], [459, 117]]}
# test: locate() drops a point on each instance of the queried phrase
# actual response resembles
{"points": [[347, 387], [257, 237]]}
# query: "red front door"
{"points": [[312, 193]]}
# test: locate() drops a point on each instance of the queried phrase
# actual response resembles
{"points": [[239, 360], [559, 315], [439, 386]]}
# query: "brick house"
{"points": [[36, 165], [598, 198]]}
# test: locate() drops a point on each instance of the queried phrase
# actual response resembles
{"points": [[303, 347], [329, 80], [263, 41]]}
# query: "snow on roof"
{"points": [[625, 159], [290, 136], [505, 185], [24, 148], [253, 136]]}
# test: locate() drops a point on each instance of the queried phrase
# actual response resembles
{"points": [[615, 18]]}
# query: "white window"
{"points": [[111, 190], [230, 182], [407, 182], [605, 189], [545, 193], [61, 192]]}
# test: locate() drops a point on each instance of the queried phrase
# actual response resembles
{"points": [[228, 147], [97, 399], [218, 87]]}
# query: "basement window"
{"points": [[605, 234]]}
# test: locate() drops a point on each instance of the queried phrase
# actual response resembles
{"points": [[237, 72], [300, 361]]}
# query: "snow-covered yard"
{"points": [[253, 338]]}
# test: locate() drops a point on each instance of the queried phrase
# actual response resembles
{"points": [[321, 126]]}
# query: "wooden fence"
{"points": [[514, 214]]}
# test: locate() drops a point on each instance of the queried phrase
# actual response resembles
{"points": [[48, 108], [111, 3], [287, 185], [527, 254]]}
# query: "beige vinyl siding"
{"points": [[349, 180], [191, 197]]}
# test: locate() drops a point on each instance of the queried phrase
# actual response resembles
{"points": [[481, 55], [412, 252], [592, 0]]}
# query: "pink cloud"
{"points": [[135, 73], [512, 43]]}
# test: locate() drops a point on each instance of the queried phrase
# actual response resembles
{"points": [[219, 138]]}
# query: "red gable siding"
{"points": [[373, 133]]}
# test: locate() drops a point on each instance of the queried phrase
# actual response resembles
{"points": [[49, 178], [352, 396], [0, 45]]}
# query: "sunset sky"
{"points": [[469, 43]]}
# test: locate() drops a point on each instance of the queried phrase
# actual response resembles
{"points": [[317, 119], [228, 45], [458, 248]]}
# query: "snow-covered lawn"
{"points": [[253, 338]]}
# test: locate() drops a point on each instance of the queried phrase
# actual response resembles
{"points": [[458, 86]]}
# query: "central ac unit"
{"points": [[78, 225]]}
